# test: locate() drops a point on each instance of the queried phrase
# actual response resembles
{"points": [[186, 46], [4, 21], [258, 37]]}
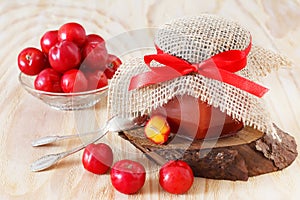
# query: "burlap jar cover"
{"points": [[195, 40]]}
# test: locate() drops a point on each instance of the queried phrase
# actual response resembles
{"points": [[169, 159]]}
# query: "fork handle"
{"points": [[54, 138], [49, 160]]}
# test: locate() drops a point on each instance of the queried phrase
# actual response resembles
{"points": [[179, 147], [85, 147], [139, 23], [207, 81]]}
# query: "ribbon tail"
{"points": [[235, 80], [244, 84]]}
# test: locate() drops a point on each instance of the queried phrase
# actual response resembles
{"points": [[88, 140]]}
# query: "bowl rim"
{"points": [[28, 87]]}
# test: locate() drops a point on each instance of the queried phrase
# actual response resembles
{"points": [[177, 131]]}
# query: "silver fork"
{"points": [[55, 138], [115, 124]]}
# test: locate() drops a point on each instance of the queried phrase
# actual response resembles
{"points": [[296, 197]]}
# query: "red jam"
{"points": [[194, 118]]}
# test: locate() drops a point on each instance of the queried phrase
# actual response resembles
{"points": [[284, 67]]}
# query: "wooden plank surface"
{"points": [[273, 24]]}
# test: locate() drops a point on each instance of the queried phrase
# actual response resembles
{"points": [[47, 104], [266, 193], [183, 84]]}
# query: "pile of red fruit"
{"points": [[69, 61], [128, 176]]}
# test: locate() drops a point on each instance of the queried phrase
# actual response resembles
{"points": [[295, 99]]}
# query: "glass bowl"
{"points": [[64, 101]]}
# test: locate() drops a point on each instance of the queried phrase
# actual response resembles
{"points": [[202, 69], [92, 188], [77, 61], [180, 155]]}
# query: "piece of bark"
{"points": [[238, 157]]}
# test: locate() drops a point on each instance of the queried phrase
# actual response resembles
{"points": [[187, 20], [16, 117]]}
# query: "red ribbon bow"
{"points": [[220, 67]]}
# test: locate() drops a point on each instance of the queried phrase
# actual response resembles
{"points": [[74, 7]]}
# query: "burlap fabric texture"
{"points": [[196, 39]]}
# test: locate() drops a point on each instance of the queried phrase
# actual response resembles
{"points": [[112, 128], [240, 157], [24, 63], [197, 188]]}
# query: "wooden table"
{"points": [[23, 118]]}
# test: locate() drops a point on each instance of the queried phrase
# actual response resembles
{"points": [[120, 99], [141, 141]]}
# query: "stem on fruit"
{"points": [[28, 57], [110, 65]]}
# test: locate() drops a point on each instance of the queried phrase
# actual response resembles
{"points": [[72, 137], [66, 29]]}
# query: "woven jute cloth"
{"points": [[196, 39]]}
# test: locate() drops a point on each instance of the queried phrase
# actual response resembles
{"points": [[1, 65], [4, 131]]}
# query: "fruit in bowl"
{"points": [[70, 63]]}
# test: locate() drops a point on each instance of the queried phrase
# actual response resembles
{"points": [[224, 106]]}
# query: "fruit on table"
{"points": [[196, 119], [48, 80], [128, 176], [157, 129], [32, 61], [74, 81], [97, 158], [176, 177], [70, 48]]}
